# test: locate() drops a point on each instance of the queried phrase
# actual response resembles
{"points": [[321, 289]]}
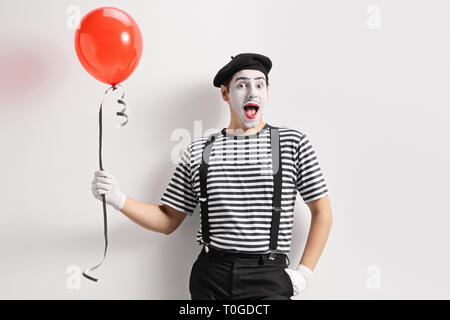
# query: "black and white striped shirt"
{"points": [[240, 187]]}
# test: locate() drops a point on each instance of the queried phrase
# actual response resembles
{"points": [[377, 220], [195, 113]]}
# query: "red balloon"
{"points": [[108, 44]]}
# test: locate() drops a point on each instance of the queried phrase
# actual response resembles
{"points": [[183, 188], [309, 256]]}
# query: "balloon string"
{"points": [[105, 220], [122, 102]]}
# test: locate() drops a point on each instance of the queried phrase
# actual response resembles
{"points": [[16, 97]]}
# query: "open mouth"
{"points": [[251, 109]]}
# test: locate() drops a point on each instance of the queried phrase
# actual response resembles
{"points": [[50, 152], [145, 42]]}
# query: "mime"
{"points": [[245, 179]]}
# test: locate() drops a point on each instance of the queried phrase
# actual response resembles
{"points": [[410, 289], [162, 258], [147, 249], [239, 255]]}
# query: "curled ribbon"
{"points": [[105, 221]]}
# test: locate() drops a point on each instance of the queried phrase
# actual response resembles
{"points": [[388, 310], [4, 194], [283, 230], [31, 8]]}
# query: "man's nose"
{"points": [[252, 92]]}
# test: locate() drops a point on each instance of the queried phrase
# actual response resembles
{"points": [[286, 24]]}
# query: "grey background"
{"points": [[374, 103]]}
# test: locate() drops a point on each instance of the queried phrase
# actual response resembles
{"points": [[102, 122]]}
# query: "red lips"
{"points": [[251, 109]]}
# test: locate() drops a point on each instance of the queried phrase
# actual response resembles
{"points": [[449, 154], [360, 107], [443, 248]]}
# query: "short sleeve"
{"points": [[179, 193], [310, 182]]}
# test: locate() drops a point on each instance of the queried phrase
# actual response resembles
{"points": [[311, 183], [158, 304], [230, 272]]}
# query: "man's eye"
{"points": [[240, 85]]}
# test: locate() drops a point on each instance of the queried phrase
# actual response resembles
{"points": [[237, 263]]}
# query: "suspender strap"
{"points": [[277, 189], [203, 185]]}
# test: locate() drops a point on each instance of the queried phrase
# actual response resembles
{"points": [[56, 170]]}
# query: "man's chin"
{"points": [[252, 124]]}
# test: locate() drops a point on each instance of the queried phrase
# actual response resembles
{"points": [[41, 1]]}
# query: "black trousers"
{"points": [[218, 275]]}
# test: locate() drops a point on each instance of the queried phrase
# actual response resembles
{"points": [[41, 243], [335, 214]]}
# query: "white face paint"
{"points": [[248, 87]]}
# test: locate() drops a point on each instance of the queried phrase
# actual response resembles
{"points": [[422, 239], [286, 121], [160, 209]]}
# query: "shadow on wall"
{"points": [[29, 66]]}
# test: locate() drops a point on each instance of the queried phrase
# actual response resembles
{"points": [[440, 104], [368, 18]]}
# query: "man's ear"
{"points": [[224, 92]]}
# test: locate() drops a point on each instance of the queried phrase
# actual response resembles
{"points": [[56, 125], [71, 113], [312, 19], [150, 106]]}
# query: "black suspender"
{"points": [[203, 188], [277, 181], [277, 188]]}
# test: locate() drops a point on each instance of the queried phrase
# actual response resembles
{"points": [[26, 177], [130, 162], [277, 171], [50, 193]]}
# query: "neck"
{"points": [[238, 128]]}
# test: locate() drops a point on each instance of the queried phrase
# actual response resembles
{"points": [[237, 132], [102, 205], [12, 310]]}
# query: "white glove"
{"points": [[104, 183], [300, 277]]}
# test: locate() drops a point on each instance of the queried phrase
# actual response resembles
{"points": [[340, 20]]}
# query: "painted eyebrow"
{"points": [[245, 78]]}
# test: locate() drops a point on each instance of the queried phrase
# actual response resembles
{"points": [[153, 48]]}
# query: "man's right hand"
{"points": [[104, 183]]}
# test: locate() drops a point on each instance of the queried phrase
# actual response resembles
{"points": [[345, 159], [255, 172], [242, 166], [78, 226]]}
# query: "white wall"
{"points": [[373, 101]]}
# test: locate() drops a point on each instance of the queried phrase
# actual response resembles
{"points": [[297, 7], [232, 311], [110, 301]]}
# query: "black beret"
{"points": [[242, 61]]}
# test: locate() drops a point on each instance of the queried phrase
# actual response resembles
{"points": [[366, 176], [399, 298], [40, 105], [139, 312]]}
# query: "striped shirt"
{"points": [[240, 187]]}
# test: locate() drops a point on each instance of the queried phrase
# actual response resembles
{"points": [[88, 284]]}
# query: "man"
{"points": [[245, 178]]}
